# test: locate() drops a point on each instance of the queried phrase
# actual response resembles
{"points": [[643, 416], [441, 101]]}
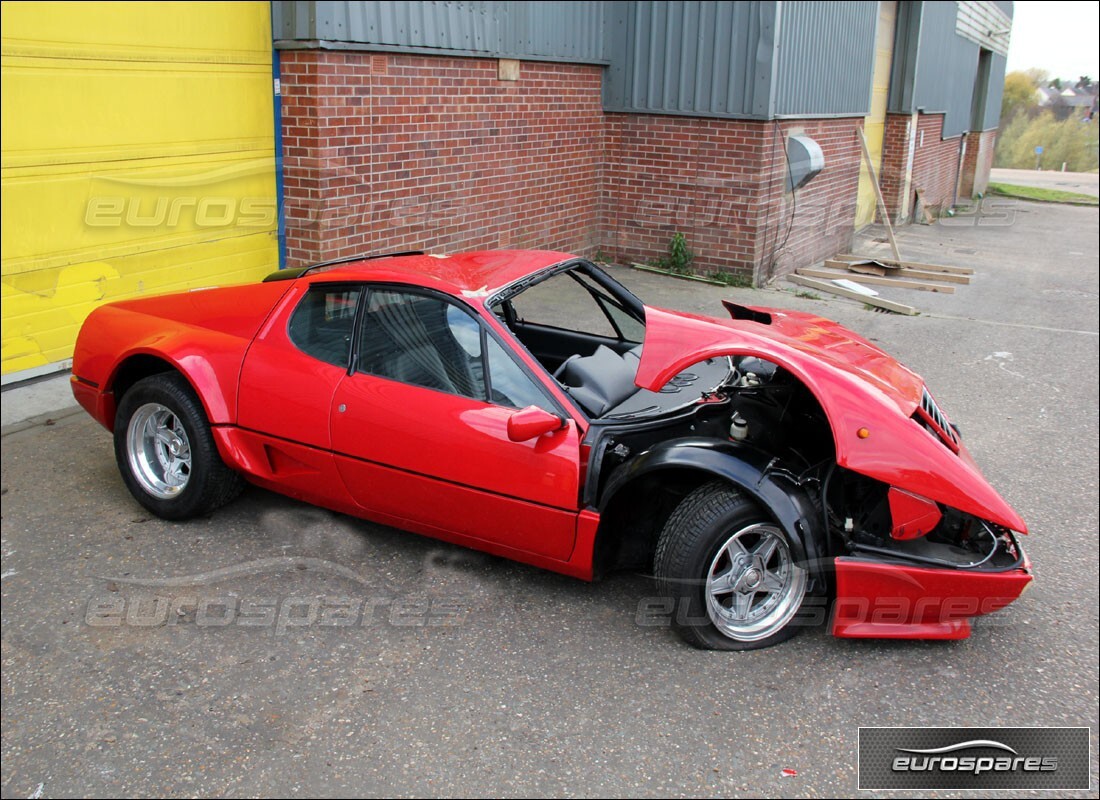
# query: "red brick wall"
{"points": [[823, 212], [389, 152], [969, 167], [977, 162], [895, 154], [722, 184], [935, 162], [704, 178]]}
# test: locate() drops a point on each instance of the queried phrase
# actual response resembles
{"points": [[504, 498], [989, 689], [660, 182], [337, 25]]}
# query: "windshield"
{"points": [[588, 331]]}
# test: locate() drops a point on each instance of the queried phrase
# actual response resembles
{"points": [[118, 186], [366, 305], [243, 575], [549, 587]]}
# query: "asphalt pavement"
{"points": [[276, 649]]}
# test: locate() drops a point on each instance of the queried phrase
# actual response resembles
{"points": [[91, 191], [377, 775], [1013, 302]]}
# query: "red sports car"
{"points": [[773, 469]]}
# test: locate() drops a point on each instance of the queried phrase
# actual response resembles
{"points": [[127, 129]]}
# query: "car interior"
{"points": [[597, 369]]}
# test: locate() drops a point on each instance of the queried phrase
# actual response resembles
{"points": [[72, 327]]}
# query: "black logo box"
{"points": [[1037, 758]]}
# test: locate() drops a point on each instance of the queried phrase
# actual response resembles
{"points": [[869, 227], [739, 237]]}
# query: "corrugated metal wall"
{"points": [[531, 30], [826, 54], [996, 90], [934, 67], [945, 68], [707, 58]]}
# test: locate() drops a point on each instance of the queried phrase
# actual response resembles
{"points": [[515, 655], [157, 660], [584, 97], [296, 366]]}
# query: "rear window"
{"points": [[322, 324]]}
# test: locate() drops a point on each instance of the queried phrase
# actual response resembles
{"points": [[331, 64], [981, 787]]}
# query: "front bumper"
{"points": [[886, 600]]}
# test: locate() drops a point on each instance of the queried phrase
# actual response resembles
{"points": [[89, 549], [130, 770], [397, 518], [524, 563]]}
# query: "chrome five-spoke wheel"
{"points": [[737, 579], [166, 452], [753, 586], [159, 450]]}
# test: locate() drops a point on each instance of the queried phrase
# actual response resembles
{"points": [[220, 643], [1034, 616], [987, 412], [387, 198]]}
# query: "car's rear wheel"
{"points": [[733, 573], [166, 452]]}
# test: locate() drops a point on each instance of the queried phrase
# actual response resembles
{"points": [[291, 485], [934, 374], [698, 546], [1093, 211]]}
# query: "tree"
{"points": [[1019, 95], [1037, 76]]}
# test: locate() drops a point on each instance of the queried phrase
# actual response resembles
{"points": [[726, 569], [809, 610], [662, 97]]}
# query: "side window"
{"points": [[562, 302], [511, 385], [427, 341], [322, 323], [424, 341]]}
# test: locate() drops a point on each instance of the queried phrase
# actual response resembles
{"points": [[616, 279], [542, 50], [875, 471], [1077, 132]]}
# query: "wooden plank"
{"points": [[874, 280], [926, 275], [683, 275], [890, 262], [862, 267], [832, 288], [878, 194], [875, 267]]}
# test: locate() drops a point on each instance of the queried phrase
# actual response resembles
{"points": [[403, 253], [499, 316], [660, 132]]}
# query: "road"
{"points": [[275, 649], [1081, 182]]}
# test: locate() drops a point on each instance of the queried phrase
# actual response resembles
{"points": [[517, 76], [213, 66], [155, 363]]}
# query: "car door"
{"points": [[288, 379], [419, 429]]}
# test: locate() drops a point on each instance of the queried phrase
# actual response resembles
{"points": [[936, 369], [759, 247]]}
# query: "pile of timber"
{"points": [[835, 278]]}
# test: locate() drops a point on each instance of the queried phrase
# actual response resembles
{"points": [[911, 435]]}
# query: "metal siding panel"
{"points": [[983, 23], [994, 92], [946, 66], [685, 57], [826, 56], [108, 206], [906, 49], [566, 31]]}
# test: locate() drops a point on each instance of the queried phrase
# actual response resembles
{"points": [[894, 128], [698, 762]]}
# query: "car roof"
{"points": [[479, 273]]}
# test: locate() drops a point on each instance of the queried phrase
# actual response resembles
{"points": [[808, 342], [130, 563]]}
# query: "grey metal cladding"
{"points": [[552, 31], [994, 93], [946, 65], [826, 58], [903, 69], [705, 58]]}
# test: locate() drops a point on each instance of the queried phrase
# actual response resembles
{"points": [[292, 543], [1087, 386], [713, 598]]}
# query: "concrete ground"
{"points": [[211, 658], [1083, 182]]}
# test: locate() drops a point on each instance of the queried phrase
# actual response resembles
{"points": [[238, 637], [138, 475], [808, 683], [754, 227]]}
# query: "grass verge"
{"points": [[1042, 195]]}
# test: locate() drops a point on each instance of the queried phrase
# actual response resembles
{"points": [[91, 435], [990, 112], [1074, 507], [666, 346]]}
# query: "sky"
{"points": [[1060, 37]]}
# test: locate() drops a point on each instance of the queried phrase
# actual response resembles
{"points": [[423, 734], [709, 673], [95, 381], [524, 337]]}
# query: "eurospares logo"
{"points": [[953, 758], [974, 758]]}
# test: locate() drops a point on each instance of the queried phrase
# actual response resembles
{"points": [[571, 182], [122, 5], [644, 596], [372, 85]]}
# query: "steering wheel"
{"points": [[561, 368]]}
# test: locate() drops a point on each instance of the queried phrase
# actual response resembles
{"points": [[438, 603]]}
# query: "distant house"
{"points": [[1070, 100]]}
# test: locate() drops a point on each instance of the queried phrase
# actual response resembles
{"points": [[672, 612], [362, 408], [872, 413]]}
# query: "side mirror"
{"points": [[532, 422]]}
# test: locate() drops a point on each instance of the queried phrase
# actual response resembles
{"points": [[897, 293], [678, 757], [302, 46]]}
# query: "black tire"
{"points": [[719, 534], [188, 482]]}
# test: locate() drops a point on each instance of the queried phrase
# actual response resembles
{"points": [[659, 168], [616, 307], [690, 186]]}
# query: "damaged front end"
{"points": [[908, 567], [913, 539]]}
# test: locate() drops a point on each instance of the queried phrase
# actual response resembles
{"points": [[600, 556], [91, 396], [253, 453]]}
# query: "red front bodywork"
{"points": [[857, 385], [895, 601], [445, 466]]}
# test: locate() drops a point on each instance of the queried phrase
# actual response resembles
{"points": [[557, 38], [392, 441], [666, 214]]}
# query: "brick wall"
{"points": [[977, 162], [935, 163], [705, 178], [722, 184], [895, 155], [820, 217], [389, 152]]}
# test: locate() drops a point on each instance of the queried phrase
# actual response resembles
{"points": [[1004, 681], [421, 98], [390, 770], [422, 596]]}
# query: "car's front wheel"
{"points": [[732, 572], [166, 452]]}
